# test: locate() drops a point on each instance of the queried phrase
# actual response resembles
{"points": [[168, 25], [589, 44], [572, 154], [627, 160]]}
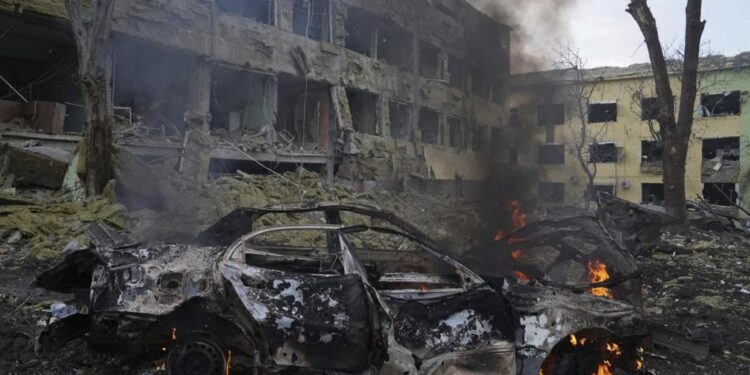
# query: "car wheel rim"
{"points": [[196, 358]]}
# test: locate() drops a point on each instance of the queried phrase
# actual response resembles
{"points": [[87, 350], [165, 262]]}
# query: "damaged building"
{"points": [[373, 93], [621, 113]]}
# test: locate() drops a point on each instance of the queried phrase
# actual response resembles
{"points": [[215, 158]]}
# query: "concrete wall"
{"points": [[199, 29]]}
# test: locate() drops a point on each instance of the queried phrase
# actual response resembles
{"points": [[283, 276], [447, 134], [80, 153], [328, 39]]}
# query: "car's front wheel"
{"points": [[200, 356]]}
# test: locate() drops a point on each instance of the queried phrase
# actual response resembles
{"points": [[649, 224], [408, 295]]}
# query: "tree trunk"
{"points": [[675, 134], [94, 45]]}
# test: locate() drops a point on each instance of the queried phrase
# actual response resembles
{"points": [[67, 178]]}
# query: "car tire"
{"points": [[199, 356]]}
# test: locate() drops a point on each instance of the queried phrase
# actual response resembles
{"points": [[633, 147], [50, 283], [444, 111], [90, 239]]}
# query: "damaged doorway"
{"points": [[304, 113], [239, 104]]}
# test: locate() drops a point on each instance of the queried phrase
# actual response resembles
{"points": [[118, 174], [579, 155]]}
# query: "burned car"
{"points": [[352, 289], [325, 297]]}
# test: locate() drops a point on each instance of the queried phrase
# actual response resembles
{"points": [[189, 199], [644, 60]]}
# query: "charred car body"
{"points": [[352, 290]]}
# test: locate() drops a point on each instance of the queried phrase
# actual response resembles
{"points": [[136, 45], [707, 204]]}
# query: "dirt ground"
{"points": [[693, 282]]}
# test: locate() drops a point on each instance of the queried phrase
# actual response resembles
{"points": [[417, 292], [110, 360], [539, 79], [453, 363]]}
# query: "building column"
{"points": [[196, 146], [744, 178]]}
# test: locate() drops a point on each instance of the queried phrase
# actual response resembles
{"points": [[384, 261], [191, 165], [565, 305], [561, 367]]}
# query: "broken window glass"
{"points": [[552, 192], [399, 115], [720, 194], [363, 107], [429, 126], [311, 18], [721, 148], [456, 129], [258, 10], [723, 104], [652, 193], [552, 154], [651, 152], [602, 153], [429, 61], [602, 112], [238, 103], [554, 113]]}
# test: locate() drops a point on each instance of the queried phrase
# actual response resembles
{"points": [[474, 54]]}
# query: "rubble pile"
{"points": [[38, 228], [699, 284]]}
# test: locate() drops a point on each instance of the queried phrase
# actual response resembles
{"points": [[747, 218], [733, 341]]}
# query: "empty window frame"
{"points": [[552, 192], [312, 19], [400, 116], [477, 139], [498, 89], [456, 72], [394, 45], [480, 84], [722, 148], [238, 102], [455, 132], [602, 112], [258, 10], [652, 193], [513, 155], [552, 154], [515, 118], [363, 107], [651, 152], [429, 126], [649, 109], [596, 189], [496, 138], [552, 113], [359, 31], [723, 104], [602, 153], [429, 61], [720, 194]]}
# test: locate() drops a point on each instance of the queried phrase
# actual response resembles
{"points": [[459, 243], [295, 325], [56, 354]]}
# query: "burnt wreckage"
{"points": [[351, 290]]}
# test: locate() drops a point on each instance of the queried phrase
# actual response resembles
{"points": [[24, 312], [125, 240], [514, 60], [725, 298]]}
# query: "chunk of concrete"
{"points": [[38, 165]]}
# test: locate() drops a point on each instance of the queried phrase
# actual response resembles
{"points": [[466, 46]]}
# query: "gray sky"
{"points": [[607, 35]]}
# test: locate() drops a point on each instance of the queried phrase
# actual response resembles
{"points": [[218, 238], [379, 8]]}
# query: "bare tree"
{"points": [[582, 140], [93, 35], [674, 130]]}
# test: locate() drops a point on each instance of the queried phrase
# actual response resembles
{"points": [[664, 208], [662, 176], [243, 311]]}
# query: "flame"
{"points": [[174, 334], [516, 254], [573, 340], [517, 219], [597, 274], [614, 348], [638, 364], [603, 369], [521, 276], [229, 361], [583, 341]]}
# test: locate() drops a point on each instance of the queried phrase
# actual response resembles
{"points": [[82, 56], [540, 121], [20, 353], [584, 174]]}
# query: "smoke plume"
{"points": [[539, 27]]}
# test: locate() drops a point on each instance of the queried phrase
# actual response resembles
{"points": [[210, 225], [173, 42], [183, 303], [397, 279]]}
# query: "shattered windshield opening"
{"points": [[395, 262]]}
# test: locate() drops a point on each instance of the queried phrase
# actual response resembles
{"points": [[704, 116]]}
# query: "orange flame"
{"points": [[597, 274], [521, 276], [603, 369], [174, 333], [517, 218], [573, 340], [516, 254], [614, 348], [638, 364], [229, 361]]}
